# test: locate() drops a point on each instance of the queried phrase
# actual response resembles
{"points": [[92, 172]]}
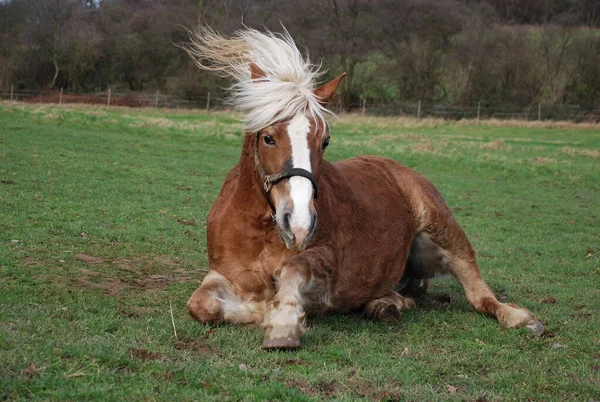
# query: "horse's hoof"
{"points": [[388, 313], [537, 328], [281, 343]]}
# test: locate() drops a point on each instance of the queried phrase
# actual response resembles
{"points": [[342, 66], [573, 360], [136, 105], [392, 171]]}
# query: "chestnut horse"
{"points": [[381, 226]]}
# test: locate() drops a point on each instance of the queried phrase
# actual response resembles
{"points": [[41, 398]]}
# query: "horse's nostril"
{"points": [[286, 220]]}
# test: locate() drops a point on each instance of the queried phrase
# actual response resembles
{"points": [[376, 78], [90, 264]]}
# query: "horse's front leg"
{"points": [[285, 321], [218, 300]]}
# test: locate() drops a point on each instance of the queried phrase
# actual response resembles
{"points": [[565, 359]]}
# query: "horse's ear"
{"points": [[326, 92], [256, 72]]}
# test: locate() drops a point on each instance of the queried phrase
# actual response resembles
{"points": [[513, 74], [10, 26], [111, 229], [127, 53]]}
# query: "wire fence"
{"points": [[109, 98], [481, 110]]}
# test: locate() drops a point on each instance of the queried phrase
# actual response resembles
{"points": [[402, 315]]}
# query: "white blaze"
{"points": [[300, 187]]}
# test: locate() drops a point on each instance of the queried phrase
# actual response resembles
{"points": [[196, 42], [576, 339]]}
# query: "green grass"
{"points": [[133, 188]]}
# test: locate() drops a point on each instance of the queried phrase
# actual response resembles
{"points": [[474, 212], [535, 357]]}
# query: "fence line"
{"points": [[419, 109]]}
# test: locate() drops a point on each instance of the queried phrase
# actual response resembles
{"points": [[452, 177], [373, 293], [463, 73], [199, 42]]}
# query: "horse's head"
{"points": [[288, 157], [284, 113]]}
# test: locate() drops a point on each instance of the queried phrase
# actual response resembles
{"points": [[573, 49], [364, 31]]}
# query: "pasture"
{"points": [[102, 241]]}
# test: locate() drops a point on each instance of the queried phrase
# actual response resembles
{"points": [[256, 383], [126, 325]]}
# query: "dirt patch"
{"points": [[593, 153], [424, 147], [300, 385], [495, 145], [197, 346], [30, 261], [111, 286], [543, 159], [89, 259], [126, 264], [146, 355], [165, 261], [88, 272], [549, 300], [327, 389], [366, 389], [294, 362], [136, 311], [30, 372], [190, 222], [132, 273], [153, 283]]}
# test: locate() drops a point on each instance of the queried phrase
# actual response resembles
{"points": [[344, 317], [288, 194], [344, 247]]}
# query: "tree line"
{"points": [[499, 52]]}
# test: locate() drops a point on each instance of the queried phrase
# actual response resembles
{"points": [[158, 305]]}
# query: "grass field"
{"points": [[102, 233]]}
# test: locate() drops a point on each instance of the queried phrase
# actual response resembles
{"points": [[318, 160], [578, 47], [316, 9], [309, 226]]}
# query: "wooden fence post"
{"points": [[60, 96], [12, 88], [156, 102], [208, 101], [364, 106], [478, 110], [539, 111], [419, 110], [108, 101]]}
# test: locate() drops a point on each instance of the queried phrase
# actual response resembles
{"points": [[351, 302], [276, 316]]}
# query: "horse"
{"points": [[383, 230]]}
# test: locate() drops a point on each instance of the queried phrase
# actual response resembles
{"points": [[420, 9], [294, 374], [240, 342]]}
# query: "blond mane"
{"points": [[289, 82]]}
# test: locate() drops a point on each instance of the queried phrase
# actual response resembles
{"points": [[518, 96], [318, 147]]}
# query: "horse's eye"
{"points": [[325, 143], [268, 140]]}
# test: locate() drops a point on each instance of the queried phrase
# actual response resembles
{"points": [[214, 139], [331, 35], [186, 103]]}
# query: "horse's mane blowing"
{"points": [[289, 81]]}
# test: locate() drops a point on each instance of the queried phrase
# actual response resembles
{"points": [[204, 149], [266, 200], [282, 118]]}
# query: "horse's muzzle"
{"points": [[295, 237]]}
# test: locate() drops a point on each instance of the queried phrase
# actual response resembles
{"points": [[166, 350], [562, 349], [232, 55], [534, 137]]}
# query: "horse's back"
{"points": [[412, 189]]}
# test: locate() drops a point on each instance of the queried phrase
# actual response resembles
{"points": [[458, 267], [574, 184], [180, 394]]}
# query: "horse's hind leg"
{"points": [[459, 260], [217, 301], [388, 308], [482, 298]]}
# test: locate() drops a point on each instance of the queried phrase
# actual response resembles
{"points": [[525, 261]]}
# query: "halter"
{"points": [[269, 180]]}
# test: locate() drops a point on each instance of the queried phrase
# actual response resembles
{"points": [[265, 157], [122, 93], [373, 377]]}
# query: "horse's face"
{"points": [[297, 143]]}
